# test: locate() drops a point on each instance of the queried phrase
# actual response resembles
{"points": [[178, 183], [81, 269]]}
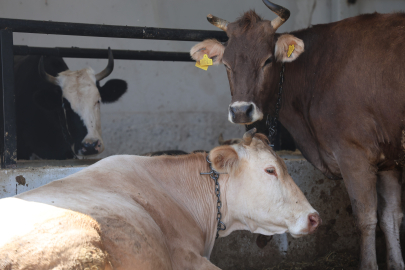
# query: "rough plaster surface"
{"points": [[173, 95], [127, 134], [16, 181]]}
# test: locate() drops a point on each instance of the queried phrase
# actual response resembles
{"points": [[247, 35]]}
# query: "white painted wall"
{"points": [[168, 105]]}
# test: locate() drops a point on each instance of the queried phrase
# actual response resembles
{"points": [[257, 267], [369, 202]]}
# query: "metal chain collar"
{"points": [[214, 176], [272, 124]]}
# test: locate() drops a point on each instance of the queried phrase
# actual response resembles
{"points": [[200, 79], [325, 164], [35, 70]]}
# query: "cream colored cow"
{"points": [[131, 212]]}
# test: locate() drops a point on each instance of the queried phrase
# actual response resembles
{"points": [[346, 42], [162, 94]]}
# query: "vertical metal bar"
{"points": [[8, 129]]}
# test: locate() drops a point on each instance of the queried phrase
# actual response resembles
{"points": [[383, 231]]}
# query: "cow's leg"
{"points": [[360, 179], [390, 215]]}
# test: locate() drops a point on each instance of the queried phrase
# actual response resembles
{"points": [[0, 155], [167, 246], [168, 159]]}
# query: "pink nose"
{"points": [[313, 222]]}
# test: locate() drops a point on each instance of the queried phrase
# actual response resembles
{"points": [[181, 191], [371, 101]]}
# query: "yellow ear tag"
{"points": [[204, 63], [197, 64], [291, 48]]}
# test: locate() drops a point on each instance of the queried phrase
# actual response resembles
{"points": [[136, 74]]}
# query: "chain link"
{"points": [[214, 176], [272, 124]]}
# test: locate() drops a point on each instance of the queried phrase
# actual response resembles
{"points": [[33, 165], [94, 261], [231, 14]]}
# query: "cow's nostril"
{"points": [[91, 148], [94, 144], [313, 222], [249, 110], [232, 110]]}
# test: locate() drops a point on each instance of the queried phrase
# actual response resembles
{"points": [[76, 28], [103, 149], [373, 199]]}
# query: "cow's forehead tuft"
{"points": [[79, 86], [248, 20], [260, 146], [75, 80], [85, 73]]}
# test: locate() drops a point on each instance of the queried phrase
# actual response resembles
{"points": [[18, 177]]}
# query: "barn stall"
{"points": [[156, 87]]}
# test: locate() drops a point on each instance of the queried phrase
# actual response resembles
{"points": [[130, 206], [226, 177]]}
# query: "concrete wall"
{"points": [[168, 105]]}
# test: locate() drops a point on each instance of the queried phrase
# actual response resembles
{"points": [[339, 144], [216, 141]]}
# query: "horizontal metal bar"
{"points": [[113, 31], [102, 53]]}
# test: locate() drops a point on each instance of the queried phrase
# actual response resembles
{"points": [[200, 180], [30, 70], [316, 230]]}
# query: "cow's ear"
{"points": [[211, 47], [288, 48], [224, 159], [49, 100], [112, 90]]}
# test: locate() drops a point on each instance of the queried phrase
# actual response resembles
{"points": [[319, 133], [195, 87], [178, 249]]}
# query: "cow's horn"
{"points": [[107, 71], [218, 22], [45, 75], [282, 12], [221, 139], [248, 136]]}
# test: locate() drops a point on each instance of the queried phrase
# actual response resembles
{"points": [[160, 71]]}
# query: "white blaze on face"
{"points": [[264, 202], [79, 88]]}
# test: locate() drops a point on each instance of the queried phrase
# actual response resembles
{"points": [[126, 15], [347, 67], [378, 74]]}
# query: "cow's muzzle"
{"points": [[314, 221], [91, 148], [241, 112]]}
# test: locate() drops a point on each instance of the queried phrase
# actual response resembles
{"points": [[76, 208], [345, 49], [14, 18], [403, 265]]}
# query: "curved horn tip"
{"points": [[221, 139], [252, 131], [248, 136], [110, 67], [218, 22], [282, 12]]}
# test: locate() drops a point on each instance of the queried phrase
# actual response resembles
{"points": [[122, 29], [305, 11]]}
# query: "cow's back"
{"points": [[40, 236], [349, 85], [122, 198]]}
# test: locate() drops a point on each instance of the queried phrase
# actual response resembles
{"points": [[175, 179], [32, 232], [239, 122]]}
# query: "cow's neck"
{"points": [[299, 89], [195, 193]]}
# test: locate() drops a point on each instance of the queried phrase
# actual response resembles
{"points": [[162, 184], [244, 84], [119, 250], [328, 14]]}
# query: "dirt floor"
{"points": [[332, 261]]}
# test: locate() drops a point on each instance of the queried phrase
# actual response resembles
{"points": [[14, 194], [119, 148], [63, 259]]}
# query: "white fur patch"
{"points": [[265, 203], [79, 88]]}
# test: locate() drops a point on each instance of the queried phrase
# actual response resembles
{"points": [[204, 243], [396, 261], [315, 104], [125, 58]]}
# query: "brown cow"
{"points": [[140, 213], [343, 101]]}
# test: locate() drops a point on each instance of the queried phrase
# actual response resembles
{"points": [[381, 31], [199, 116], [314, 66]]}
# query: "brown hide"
{"points": [[343, 102], [344, 72], [346, 91]]}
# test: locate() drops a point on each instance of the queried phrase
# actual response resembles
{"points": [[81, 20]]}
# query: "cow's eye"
{"points": [[227, 67], [271, 171], [268, 61]]}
